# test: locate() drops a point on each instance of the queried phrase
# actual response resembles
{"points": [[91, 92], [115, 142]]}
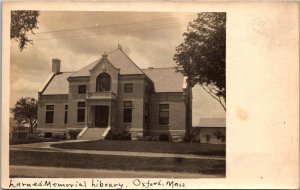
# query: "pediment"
{"points": [[104, 65]]}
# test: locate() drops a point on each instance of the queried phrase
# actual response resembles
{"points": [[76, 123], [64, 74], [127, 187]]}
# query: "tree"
{"points": [[23, 22], [201, 57], [25, 112]]}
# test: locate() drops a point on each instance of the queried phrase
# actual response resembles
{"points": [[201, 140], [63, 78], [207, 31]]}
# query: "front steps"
{"points": [[93, 133]]}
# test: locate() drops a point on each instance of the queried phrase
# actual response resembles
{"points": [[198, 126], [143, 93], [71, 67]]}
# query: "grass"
{"points": [[33, 140], [147, 146], [59, 159]]}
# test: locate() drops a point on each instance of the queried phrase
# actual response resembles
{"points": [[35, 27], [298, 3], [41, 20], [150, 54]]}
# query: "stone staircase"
{"points": [[93, 133]]}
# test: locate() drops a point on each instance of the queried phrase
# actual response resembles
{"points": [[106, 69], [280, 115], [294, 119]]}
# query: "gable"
{"points": [[118, 59], [121, 61]]}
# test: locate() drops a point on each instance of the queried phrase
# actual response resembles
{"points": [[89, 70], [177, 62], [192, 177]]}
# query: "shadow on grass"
{"points": [[69, 160], [147, 146]]}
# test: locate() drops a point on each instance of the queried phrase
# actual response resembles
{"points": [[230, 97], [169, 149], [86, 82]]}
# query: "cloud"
{"points": [[148, 38]]}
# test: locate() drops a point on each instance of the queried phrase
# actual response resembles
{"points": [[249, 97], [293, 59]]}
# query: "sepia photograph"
{"points": [[117, 94], [150, 95]]}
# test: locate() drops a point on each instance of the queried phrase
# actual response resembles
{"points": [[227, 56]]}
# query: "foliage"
{"points": [[220, 135], [74, 133], [23, 22], [25, 112], [201, 57], [118, 135], [163, 137]]}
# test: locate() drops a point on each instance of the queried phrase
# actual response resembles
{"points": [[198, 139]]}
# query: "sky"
{"points": [[79, 38]]}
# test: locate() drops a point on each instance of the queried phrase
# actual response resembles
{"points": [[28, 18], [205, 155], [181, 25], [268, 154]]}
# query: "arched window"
{"points": [[103, 82]]}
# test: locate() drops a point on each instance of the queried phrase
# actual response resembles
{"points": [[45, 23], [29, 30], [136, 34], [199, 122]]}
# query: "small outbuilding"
{"points": [[210, 131]]}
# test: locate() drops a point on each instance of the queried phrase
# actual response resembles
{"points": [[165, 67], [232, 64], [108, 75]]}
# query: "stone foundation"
{"points": [[177, 135], [136, 133]]}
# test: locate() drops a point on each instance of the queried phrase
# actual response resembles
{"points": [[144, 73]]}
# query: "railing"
{"points": [[101, 95]]}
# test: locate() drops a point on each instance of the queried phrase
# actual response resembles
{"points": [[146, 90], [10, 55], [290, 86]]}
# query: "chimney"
{"points": [[119, 46], [56, 66]]}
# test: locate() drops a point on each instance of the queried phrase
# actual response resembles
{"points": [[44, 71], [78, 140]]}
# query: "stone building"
{"points": [[114, 94]]}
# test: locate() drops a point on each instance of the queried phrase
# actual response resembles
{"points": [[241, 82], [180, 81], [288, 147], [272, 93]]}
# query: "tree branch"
{"points": [[212, 94]]}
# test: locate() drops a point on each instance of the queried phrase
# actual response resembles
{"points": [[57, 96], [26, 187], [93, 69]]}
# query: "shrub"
{"points": [[74, 133], [187, 138], [118, 135], [59, 136], [163, 137], [31, 136]]}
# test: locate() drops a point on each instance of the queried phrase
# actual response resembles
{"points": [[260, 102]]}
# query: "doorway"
{"points": [[101, 116]]}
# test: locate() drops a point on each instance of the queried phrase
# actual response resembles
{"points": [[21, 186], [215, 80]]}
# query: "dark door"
{"points": [[101, 116]]}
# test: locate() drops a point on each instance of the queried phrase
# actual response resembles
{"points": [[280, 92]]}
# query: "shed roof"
{"points": [[165, 79], [212, 122], [116, 57]]}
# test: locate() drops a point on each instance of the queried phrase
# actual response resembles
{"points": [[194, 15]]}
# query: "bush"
{"points": [[74, 133], [163, 137], [187, 138], [31, 136], [59, 136], [118, 135]]}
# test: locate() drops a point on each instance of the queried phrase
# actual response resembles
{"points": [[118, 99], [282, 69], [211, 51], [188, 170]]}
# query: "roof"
{"points": [[58, 85], [118, 59], [165, 79], [212, 122]]}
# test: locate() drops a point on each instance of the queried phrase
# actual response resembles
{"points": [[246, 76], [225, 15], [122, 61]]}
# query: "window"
{"points": [[48, 135], [103, 82], [146, 106], [81, 89], [66, 114], [127, 114], [81, 112], [164, 114], [146, 119], [49, 113], [128, 88]]}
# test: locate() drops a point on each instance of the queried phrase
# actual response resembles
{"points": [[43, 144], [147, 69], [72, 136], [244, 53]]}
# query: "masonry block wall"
{"points": [[177, 117], [59, 102], [73, 100], [151, 87], [137, 98]]}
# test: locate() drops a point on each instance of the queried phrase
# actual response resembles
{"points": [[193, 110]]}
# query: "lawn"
{"points": [[70, 160], [147, 146], [33, 140]]}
